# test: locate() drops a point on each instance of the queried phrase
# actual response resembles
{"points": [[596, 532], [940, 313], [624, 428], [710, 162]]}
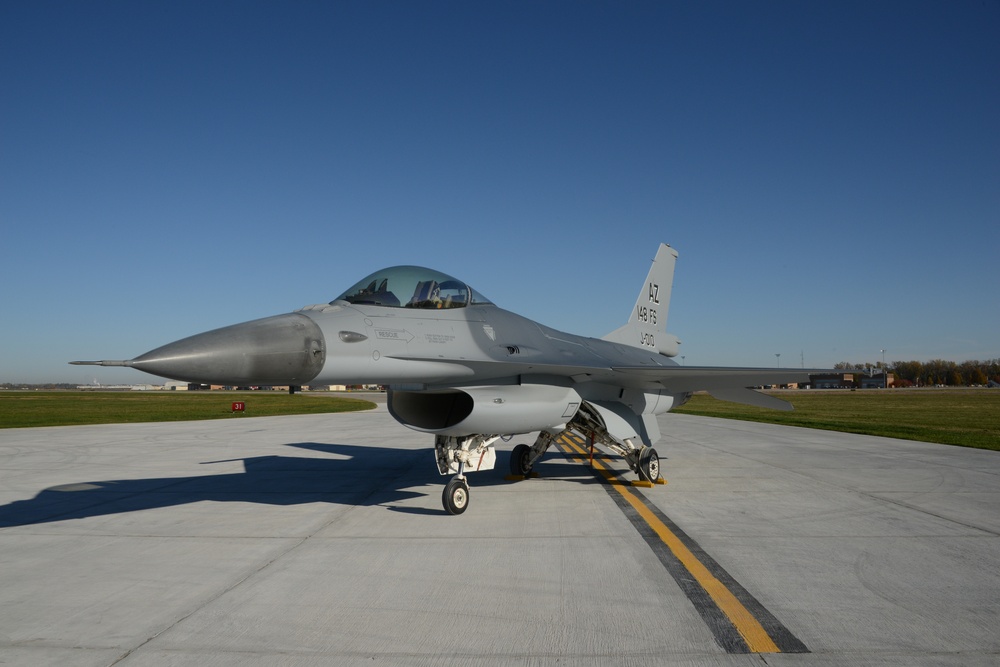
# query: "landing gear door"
{"points": [[458, 456], [485, 460]]}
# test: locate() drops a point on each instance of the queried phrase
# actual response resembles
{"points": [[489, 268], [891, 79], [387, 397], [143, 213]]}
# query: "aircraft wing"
{"points": [[724, 383]]}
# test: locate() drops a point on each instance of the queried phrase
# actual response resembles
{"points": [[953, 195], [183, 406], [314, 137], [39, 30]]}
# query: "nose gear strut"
{"points": [[456, 455]]}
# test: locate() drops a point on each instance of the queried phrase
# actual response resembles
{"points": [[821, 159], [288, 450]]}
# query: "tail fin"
{"points": [[647, 327]]}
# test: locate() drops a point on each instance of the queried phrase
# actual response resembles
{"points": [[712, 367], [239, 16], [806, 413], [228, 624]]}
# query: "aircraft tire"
{"points": [[519, 460], [649, 465], [455, 496]]}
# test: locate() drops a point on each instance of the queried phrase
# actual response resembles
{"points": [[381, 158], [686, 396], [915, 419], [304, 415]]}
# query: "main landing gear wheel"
{"points": [[519, 461], [649, 465], [456, 496]]}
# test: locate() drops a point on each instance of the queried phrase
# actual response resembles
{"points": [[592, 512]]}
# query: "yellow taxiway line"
{"points": [[753, 633]]}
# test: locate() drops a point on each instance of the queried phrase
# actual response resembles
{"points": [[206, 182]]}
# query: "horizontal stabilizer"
{"points": [[750, 397]]}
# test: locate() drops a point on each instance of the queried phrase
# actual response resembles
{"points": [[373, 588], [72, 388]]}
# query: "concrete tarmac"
{"points": [[321, 540]]}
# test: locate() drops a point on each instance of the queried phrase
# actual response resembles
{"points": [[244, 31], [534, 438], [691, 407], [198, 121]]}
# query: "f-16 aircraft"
{"points": [[469, 372]]}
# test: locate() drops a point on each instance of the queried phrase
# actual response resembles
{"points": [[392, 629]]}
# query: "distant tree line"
{"points": [[935, 372]]}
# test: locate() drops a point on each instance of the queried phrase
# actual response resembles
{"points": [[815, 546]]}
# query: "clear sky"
{"points": [[828, 171]]}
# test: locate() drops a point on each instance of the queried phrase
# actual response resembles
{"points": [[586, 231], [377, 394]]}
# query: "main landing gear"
{"points": [[649, 465], [643, 461], [641, 458], [523, 457]]}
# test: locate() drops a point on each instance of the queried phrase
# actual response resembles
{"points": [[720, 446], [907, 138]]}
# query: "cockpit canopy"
{"points": [[412, 287]]}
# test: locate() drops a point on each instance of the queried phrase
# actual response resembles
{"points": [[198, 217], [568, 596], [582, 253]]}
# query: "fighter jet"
{"points": [[471, 373]]}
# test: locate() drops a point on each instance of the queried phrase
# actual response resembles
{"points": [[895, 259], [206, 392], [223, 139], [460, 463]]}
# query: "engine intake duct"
{"points": [[430, 410], [492, 409]]}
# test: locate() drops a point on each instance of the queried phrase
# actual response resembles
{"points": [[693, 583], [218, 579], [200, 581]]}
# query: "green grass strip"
{"points": [[965, 417], [19, 409]]}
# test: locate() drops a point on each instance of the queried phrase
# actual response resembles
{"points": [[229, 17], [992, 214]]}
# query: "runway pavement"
{"points": [[321, 540]]}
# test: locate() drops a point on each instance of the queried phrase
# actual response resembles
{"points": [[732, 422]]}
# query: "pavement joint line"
{"points": [[865, 494], [752, 636], [338, 516]]}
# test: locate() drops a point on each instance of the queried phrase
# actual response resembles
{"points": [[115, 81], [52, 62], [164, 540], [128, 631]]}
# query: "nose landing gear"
{"points": [[458, 455], [455, 497]]}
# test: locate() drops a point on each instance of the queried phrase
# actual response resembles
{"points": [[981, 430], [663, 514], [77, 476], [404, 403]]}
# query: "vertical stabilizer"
{"points": [[647, 326]]}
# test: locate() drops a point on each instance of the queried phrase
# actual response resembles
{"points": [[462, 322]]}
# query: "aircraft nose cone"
{"points": [[285, 349]]}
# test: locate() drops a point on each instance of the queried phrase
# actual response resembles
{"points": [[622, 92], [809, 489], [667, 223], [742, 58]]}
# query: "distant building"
{"points": [[832, 380], [878, 381], [851, 380]]}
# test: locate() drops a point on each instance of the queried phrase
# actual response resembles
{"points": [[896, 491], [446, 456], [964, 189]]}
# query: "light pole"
{"points": [[885, 375]]}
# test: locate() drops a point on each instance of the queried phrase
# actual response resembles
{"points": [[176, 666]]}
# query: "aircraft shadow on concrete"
{"points": [[365, 476]]}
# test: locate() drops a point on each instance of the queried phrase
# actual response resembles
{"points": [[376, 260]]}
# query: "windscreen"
{"points": [[412, 287]]}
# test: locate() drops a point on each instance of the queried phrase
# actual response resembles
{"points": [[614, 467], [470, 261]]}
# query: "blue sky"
{"points": [[828, 172]]}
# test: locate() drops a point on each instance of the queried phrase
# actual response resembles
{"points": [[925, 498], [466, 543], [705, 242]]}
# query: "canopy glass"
{"points": [[412, 287]]}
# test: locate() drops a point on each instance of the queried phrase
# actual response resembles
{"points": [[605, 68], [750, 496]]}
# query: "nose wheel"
{"points": [[455, 497]]}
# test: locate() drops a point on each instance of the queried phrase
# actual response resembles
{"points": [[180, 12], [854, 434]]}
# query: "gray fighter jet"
{"points": [[461, 368]]}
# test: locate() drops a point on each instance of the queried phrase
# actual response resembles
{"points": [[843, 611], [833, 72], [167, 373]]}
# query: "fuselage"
{"points": [[382, 345]]}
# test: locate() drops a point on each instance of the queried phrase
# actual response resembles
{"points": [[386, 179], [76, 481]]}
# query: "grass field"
{"points": [[967, 417], [65, 408]]}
